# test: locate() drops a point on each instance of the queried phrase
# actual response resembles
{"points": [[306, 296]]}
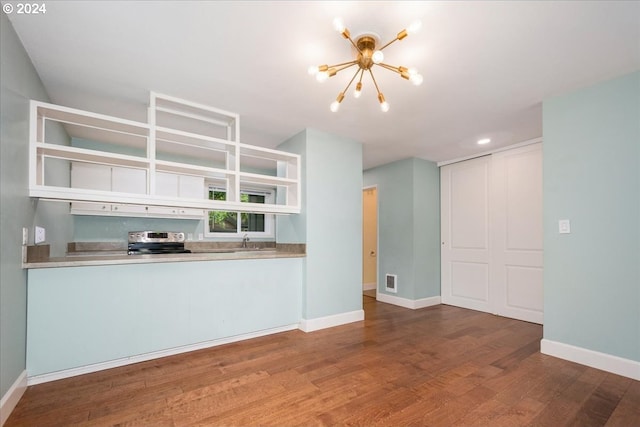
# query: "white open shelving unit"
{"points": [[162, 168]]}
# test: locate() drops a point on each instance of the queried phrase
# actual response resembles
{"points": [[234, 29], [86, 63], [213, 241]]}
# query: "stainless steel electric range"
{"points": [[156, 242]]}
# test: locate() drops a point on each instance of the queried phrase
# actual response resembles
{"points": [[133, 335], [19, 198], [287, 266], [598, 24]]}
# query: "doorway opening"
{"points": [[370, 241]]}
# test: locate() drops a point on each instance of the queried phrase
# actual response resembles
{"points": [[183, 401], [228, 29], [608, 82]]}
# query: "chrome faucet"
{"points": [[245, 239]]}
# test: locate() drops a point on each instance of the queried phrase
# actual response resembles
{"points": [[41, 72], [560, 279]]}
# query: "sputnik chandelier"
{"points": [[367, 56]]}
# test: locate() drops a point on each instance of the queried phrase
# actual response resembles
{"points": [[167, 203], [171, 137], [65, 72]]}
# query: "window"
{"points": [[232, 224]]}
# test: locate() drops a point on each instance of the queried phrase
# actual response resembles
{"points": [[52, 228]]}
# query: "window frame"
{"points": [[269, 219]]}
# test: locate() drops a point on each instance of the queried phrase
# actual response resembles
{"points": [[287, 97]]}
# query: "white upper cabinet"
{"points": [[168, 162]]}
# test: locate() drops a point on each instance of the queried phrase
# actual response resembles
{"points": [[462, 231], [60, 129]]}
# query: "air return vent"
{"points": [[391, 283]]}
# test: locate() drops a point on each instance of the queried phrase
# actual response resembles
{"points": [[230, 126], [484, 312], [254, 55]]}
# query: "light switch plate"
{"points": [[564, 226], [40, 235]]}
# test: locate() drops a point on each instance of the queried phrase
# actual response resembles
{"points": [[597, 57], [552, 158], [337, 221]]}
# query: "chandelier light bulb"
{"points": [[412, 71], [322, 76], [414, 27], [416, 79], [313, 70], [358, 91], [335, 105], [338, 24], [377, 57], [384, 105]]}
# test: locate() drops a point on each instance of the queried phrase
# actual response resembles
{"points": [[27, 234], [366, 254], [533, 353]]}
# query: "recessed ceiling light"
{"points": [[484, 141]]}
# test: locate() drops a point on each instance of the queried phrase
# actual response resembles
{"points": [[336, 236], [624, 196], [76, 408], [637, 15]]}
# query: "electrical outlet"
{"points": [[25, 235], [564, 226], [200, 236], [40, 235]]}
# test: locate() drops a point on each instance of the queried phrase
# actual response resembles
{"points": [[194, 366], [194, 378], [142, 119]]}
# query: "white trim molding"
{"points": [[408, 303], [489, 152], [38, 379], [606, 362], [12, 397], [310, 325], [369, 286]]}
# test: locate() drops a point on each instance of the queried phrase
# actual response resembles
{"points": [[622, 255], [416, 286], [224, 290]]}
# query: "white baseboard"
{"points": [[12, 397], [310, 325], [606, 362], [408, 303], [38, 379], [369, 286]]}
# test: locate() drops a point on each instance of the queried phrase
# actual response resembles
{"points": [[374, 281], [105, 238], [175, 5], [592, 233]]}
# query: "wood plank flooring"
{"points": [[438, 366]]}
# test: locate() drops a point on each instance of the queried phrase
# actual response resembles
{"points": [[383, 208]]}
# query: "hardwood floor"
{"points": [[438, 366]]}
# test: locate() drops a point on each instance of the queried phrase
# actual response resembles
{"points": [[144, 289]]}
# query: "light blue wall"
{"points": [[330, 223], [426, 219], [20, 83], [84, 315], [293, 228], [592, 178], [115, 228], [408, 226]]}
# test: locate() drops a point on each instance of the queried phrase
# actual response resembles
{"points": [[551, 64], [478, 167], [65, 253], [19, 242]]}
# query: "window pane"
{"points": [[223, 222], [252, 221], [227, 222]]}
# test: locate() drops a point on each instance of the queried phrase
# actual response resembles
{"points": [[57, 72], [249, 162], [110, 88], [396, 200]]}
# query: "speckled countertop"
{"points": [[83, 254]]}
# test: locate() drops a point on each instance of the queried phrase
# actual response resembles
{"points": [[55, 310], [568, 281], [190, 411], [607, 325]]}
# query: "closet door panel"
{"points": [[517, 233], [465, 234], [492, 233]]}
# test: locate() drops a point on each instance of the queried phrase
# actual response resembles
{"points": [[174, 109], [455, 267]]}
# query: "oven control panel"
{"points": [[155, 236]]}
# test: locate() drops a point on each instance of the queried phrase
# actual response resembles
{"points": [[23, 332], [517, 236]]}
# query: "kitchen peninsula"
{"points": [[103, 313]]}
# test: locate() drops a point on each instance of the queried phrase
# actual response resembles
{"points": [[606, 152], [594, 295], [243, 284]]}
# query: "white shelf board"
{"points": [[100, 121], [267, 153], [93, 156], [181, 168], [194, 139]]}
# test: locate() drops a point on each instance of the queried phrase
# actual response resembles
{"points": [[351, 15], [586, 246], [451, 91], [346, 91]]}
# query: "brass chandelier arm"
{"points": [[403, 71], [402, 34], [347, 36], [375, 83], [351, 81], [339, 65], [394, 40], [389, 67], [344, 67]]}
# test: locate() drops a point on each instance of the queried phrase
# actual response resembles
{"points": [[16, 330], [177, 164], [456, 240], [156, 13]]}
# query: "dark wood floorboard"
{"points": [[438, 366]]}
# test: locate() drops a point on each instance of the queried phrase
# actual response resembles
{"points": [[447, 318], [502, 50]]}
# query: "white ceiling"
{"points": [[487, 66]]}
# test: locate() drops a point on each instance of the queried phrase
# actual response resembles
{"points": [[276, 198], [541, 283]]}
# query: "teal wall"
{"points": [[592, 178], [408, 226], [330, 223], [19, 83], [80, 315], [293, 228], [426, 220], [88, 228]]}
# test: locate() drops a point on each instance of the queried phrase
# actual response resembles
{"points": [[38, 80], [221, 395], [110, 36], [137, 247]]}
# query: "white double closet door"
{"points": [[491, 231]]}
